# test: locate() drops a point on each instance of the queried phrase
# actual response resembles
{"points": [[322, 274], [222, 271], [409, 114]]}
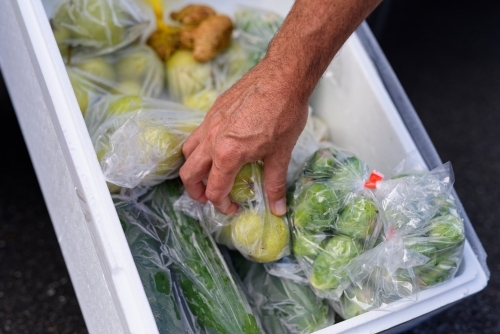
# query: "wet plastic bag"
{"points": [[135, 70], [85, 28], [138, 140]]}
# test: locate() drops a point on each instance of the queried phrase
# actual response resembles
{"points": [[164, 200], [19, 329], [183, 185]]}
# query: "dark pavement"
{"points": [[447, 57]]}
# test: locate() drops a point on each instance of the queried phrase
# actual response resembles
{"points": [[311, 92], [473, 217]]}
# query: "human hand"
{"points": [[258, 119]]}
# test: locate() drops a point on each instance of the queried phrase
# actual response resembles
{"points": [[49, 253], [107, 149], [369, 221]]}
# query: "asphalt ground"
{"points": [[447, 57]]}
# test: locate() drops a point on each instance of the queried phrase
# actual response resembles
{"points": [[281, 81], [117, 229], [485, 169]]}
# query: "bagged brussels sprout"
{"points": [[86, 91], [282, 305], [206, 284], [135, 70], [138, 140], [254, 231], [85, 28], [145, 237], [422, 240]]}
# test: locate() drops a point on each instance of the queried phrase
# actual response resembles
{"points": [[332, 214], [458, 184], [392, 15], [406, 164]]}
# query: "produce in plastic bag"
{"points": [[145, 241], [138, 141], [257, 28], [254, 231], [198, 84], [419, 249], [204, 279], [135, 70], [97, 27], [283, 306]]}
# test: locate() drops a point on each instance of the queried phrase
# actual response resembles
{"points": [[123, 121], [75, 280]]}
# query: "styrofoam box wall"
{"points": [[350, 98]]}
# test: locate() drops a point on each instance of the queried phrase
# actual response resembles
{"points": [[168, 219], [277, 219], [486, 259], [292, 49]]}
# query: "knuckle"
{"points": [[214, 196], [185, 174], [276, 188]]}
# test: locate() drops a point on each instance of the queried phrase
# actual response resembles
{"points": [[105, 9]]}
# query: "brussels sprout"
{"points": [[81, 92], [128, 87], [316, 207], [246, 183], [432, 275], [262, 237], [328, 268], [322, 164], [349, 170], [446, 231], [136, 64], [358, 218], [309, 245]]}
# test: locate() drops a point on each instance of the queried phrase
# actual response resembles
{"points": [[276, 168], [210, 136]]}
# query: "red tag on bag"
{"points": [[375, 176]]}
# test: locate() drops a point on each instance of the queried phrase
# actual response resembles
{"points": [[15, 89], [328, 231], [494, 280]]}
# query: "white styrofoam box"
{"points": [[350, 98]]}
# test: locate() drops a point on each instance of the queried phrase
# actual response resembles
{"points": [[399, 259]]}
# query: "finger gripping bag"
{"points": [[85, 28], [254, 231], [138, 140], [135, 70]]}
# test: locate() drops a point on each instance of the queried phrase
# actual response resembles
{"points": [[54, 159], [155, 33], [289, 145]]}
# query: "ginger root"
{"points": [[212, 35], [192, 15], [165, 40]]}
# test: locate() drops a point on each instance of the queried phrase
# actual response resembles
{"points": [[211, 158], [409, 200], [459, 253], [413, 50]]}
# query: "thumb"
{"points": [[275, 171]]}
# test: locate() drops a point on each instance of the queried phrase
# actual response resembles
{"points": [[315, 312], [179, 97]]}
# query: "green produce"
{"points": [[81, 90], [186, 76], [316, 207], [308, 245], [246, 184], [284, 306], [322, 164], [99, 68], [155, 275], [328, 268], [135, 65], [127, 87], [205, 281], [92, 22], [203, 100], [349, 307], [446, 231], [349, 170], [358, 218], [123, 104], [261, 236]]}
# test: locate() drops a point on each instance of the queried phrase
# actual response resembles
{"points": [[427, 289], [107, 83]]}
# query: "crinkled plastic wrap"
{"points": [[334, 220], [282, 305], [421, 245], [135, 70], [254, 231], [95, 27], [138, 140], [207, 286], [364, 244], [198, 85], [257, 28], [145, 238]]}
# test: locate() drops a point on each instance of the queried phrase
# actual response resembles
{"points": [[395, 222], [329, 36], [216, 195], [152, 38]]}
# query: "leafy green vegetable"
{"points": [[358, 218], [205, 281]]}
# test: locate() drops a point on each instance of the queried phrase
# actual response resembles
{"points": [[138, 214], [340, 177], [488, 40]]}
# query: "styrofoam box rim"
{"points": [[109, 240]]}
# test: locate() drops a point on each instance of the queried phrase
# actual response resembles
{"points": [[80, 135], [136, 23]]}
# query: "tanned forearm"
{"points": [[313, 32]]}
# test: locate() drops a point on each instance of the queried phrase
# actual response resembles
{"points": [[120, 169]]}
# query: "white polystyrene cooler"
{"points": [[360, 99]]}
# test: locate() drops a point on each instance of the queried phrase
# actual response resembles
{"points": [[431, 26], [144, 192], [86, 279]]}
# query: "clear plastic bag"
{"points": [[135, 70], [145, 239], [85, 28], [254, 231], [198, 85], [206, 284], [138, 140], [365, 243], [283, 305]]}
